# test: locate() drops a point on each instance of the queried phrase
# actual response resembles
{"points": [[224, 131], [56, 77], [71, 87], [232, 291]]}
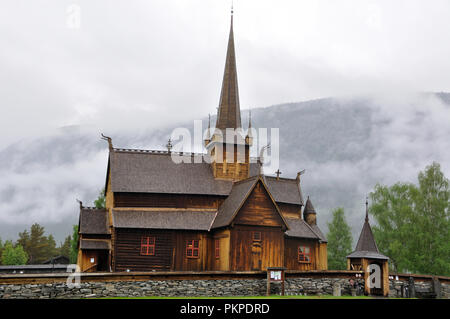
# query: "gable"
{"points": [[259, 209]]}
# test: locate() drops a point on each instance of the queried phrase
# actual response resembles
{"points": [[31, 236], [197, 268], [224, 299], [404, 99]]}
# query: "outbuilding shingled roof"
{"points": [[366, 246], [94, 244], [173, 219], [93, 221], [367, 254], [138, 171]]}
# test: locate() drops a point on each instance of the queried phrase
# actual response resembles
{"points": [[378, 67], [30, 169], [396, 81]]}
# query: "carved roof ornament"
{"points": [[261, 158], [109, 140], [300, 174]]}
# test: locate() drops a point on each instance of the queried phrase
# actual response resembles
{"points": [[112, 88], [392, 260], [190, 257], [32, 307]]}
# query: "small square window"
{"points": [[304, 254], [256, 236], [148, 246], [192, 248]]}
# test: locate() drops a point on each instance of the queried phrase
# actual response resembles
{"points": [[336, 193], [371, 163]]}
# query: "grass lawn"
{"points": [[251, 297]]}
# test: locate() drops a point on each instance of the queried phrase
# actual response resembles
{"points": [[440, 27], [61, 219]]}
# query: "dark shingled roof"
{"points": [[367, 254], [299, 228], [93, 221], [309, 208], [231, 205], [239, 193], [366, 241], [285, 190], [319, 233], [138, 171], [366, 246], [94, 244], [150, 172], [173, 219]]}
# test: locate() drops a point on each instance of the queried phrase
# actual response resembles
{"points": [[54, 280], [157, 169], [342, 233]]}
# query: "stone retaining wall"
{"points": [[243, 287], [423, 289], [203, 287]]}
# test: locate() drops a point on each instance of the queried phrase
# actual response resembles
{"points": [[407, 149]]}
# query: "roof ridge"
{"points": [[158, 152], [245, 180], [281, 178], [163, 210], [93, 208]]}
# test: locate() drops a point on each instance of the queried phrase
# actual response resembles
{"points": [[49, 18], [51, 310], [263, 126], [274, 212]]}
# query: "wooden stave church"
{"points": [[200, 216]]}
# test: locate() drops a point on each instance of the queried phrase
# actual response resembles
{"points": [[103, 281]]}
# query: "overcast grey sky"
{"points": [[143, 63]]}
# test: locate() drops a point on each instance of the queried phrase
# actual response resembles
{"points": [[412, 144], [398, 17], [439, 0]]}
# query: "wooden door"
{"points": [[256, 256]]}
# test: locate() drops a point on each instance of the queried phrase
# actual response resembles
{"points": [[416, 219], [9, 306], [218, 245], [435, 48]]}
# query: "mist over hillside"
{"points": [[346, 145]]}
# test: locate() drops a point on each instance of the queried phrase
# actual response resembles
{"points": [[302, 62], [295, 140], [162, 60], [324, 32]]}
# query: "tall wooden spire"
{"points": [[229, 114], [229, 151]]}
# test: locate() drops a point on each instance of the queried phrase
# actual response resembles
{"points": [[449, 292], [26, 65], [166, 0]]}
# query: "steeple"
{"points": [[366, 241], [229, 113], [229, 151]]}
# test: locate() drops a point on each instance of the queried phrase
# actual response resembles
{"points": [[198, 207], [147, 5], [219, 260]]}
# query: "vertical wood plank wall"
{"points": [[128, 245], [242, 254], [291, 254], [259, 210]]}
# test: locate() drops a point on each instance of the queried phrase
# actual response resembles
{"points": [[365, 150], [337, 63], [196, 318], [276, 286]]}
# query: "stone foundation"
{"points": [[173, 288], [209, 287]]}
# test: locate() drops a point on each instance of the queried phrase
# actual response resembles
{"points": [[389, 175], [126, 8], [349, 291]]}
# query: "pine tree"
{"points": [[65, 248], [38, 247], [50, 249], [339, 241]]}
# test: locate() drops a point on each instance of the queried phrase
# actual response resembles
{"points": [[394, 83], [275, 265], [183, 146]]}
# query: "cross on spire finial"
{"points": [[278, 172], [367, 208]]}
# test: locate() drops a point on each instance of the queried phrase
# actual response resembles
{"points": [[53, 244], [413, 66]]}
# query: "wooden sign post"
{"points": [[275, 274]]}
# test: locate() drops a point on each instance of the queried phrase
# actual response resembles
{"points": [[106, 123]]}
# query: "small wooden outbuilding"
{"points": [[367, 258]]}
